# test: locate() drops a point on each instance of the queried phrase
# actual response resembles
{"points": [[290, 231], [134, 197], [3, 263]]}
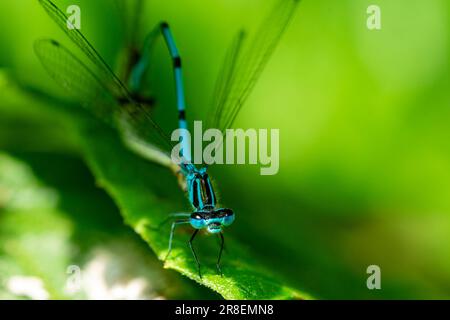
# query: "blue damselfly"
{"points": [[118, 102]]}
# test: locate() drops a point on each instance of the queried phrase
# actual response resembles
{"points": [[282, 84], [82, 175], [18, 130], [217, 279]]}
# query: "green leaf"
{"points": [[147, 193]]}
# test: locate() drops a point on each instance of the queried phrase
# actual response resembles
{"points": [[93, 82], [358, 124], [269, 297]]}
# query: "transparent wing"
{"points": [[225, 81], [131, 16], [82, 83], [110, 79], [77, 78], [30, 90], [244, 65]]}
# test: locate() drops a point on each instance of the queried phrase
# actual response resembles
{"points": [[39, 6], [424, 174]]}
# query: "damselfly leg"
{"points": [[222, 241], [169, 218], [172, 230]]}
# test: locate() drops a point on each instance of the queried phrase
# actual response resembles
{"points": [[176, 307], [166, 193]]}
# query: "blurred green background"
{"points": [[364, 148]]}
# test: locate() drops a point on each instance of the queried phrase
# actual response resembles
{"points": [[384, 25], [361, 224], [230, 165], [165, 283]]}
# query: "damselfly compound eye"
{"points": [[228, 219], [197, 221]]}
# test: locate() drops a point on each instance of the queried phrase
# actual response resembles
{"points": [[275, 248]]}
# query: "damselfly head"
{"points": [[213, 221]]}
